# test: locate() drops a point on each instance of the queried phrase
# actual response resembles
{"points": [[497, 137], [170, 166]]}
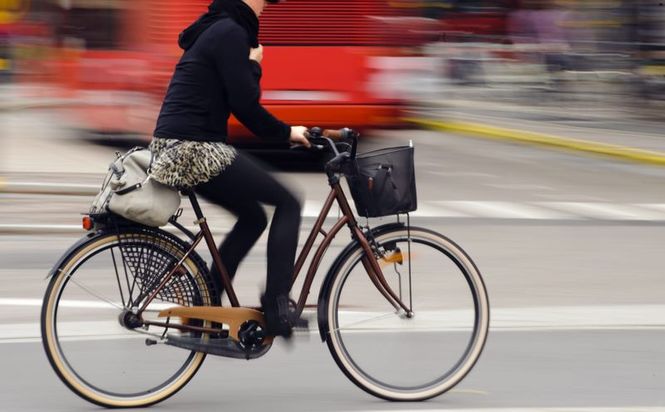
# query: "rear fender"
{"points": [[72, 249]]}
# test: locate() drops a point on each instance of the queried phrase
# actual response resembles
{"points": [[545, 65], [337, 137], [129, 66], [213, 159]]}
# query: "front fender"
{"points": [[324, 293]]}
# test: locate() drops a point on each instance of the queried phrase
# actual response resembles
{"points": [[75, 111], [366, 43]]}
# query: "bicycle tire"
{"points": [[160, 245], [349, 358]]}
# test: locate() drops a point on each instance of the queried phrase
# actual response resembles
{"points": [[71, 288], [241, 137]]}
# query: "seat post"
{"points": [[195, 204]]}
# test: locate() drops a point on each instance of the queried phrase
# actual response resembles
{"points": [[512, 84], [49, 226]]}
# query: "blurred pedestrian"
{"points": [[541, 25]]}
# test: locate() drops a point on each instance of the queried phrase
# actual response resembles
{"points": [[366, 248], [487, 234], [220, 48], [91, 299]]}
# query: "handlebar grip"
{"points": [[334, 134], [341, 134], [328, 135]]}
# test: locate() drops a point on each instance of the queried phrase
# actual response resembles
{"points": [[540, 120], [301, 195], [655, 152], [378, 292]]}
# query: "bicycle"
{"points": [[403, 309]]}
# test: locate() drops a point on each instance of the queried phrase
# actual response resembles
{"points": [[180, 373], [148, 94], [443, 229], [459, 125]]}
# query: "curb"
{"points": [[539, 139]]}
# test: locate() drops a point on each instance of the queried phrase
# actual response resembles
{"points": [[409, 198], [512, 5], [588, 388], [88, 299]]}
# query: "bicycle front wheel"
{"points": [[86, 331], [395, 356]]}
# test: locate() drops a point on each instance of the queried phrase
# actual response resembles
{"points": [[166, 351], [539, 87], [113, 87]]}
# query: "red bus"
{"points": [[322, 62]]}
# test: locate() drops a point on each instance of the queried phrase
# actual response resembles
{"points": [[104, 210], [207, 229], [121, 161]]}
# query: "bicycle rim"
{"points": [[90, 350], [395, 357]]}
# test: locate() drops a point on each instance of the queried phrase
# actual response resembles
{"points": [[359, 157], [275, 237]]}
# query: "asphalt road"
{"points": [[575, 324], [562, 369], [570, 248]]}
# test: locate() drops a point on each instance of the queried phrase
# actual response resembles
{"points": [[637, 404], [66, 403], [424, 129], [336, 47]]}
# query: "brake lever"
{"points": [[335, 164]]}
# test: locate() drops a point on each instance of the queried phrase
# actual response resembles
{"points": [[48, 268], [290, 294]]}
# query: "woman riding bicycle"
{"points": [[219, 75]]}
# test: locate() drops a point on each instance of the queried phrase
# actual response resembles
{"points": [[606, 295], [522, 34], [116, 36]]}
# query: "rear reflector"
{"points": [[87, 223]]}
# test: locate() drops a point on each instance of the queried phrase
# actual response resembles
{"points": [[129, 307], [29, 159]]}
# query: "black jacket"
{"points": [[213, 79]]}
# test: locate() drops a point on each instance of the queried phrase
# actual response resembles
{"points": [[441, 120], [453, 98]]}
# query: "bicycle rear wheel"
{"points": [[385, 352], [84, 325]]}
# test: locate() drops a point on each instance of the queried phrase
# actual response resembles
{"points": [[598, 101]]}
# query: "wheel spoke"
{"points": [[117, 276], [360, 322], [130, 297], [96, 294]]}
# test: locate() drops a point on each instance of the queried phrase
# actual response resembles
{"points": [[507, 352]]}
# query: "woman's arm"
{"points": [[241, 79]]}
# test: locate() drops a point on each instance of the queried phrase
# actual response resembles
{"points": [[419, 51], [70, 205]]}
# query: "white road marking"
{"points": [[539, 409], [534, 211], [520, 186], [506, 210], [461, 174], [606, 211], [86, 304], [579, 317], [312, 208], [553, 210], [20, 302], [545, 318], [433, 209], [659, 207], [81, 330]]}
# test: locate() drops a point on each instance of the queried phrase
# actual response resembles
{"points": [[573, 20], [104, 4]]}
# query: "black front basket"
{"points": [[383, 182]]}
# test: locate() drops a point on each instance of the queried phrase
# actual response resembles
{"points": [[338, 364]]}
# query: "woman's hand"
{"points": [[256, 54], [298, 136]]}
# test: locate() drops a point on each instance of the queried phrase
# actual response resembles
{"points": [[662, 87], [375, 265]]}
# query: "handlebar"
{"points": [[323, 139], [331, 138]]}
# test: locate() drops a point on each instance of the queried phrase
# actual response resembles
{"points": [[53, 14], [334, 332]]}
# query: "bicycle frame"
{"points": [[369, 261]]}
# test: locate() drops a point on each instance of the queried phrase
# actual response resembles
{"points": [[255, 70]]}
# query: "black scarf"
{"points": [[240, 12]]}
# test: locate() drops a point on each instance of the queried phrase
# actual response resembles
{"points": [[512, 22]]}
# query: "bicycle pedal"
{"points": [[302, 329], [301, 325]]}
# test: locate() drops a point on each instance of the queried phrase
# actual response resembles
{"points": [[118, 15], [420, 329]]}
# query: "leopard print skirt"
{"points": [[185, 163]]}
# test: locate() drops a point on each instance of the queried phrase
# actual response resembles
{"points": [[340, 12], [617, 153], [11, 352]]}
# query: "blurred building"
{"points": [[359, 57]]}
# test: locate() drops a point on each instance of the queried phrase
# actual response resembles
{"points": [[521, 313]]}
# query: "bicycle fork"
{"points": [[375, 274]]}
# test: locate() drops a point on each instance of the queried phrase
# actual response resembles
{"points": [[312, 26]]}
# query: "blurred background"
{"points": [[359, 63], [538, 127]]}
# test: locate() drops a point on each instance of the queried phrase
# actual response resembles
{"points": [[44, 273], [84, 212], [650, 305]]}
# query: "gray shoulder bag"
{"points": [[129, 191]]}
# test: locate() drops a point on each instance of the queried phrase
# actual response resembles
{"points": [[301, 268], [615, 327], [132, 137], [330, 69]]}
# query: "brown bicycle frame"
{"points": [[369, 262]]}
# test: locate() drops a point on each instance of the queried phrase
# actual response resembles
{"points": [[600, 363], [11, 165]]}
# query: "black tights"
{"points": [[241, 189]]}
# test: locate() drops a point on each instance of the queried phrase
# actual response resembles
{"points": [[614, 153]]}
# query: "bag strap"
{"points": [[130, 188], [152, 159]]}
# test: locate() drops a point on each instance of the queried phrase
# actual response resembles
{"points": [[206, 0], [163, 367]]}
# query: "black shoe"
{"points": [[280, 319]]}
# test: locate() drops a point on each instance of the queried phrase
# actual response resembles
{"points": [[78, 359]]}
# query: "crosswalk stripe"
{"points": [[658, 207], [436, 209], [647, 212], [605, 211], [525, 210], [506, 210], [462, 209]]}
